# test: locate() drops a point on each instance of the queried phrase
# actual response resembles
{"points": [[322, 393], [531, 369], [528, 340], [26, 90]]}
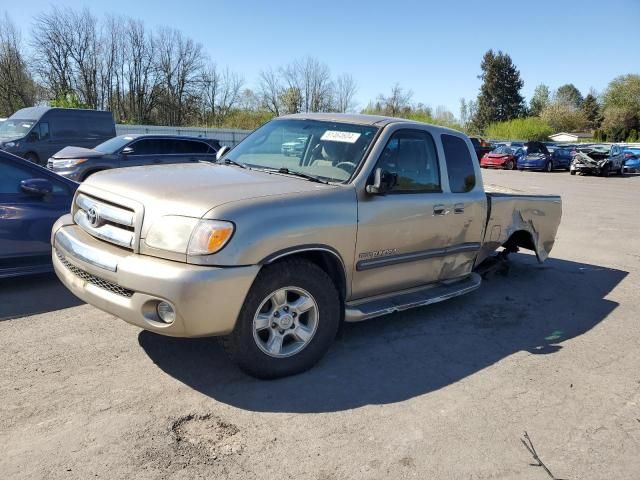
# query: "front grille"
{"points": [[106, 221], [92, 279]]}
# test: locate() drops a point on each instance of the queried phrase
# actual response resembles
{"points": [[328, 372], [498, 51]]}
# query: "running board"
{"points": [[364, 310]]}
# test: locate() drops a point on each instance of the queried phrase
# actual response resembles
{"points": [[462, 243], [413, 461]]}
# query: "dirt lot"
{"points": [[440, 392]]}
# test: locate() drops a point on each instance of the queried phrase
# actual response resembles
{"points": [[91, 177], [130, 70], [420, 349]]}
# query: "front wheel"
{"points": [[572, 172], [548, 167], [288, 321], [509, 165], [32, 157]]}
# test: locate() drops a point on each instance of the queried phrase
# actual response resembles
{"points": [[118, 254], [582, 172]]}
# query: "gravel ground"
{"points": [[445, 391]]}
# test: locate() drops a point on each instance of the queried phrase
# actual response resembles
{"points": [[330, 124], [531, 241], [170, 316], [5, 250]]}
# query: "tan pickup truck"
{"points": [[272, 250]]}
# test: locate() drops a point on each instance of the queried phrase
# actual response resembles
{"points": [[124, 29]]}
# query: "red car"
{"points": [[502, 157]]}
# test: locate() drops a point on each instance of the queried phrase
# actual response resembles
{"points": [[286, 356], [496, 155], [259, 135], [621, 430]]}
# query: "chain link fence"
{"points": [[226, 136]]}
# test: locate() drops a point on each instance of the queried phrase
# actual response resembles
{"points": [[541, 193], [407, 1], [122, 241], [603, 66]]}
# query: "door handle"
{"points": [[439, 210], [458, 208]]}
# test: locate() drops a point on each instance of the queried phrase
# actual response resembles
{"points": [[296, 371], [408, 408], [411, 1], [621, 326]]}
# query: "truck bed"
{"points": [[523, 220]]}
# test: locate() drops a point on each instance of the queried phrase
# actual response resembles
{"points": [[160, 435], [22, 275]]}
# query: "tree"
{"points": [[540, 99], [569, 95], [499, 97], [17, 88], [563, 117], [345, 91], [621, 107], [397, 102], [291, 100], [269, 90], [591, 109], [531, 128]]}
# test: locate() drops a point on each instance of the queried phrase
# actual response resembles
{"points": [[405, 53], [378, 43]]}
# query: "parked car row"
{"points": [[594, 159], [76, 143]]}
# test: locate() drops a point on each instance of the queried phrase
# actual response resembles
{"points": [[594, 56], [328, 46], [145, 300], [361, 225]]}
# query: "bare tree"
{"points": [[17, 89], [398, 101], [313, 80], [179, 64], [221, 92], [269, 90], [139, 71], [346, 88], [52, 58]]}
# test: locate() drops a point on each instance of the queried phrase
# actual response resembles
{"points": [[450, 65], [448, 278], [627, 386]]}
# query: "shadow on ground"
{"points": [[30, 295], [536, 308]]}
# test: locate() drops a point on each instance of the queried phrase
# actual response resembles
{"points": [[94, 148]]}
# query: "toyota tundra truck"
{"points": [[273, 251]]}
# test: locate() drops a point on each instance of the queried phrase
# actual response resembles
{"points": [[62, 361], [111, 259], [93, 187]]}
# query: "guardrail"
{"points": [[227, 136]]}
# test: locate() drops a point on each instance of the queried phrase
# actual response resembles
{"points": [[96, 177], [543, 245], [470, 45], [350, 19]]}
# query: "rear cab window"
{"points": [[460, 167]]}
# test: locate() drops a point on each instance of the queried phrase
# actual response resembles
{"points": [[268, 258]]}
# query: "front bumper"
{"points": [[531, 165], [207, 300], [582, 168]]}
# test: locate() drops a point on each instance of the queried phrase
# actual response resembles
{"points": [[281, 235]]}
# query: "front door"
{"points": [[401, 234]]}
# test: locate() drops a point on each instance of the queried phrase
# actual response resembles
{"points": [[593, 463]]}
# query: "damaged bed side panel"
{"points": [[530, 221]]}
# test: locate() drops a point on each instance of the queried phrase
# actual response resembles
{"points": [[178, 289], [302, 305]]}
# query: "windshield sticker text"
{"points": [[337, 136]]}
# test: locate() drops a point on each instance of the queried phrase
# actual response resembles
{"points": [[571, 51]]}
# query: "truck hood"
{"points": [[192, 189], [77, 152]]}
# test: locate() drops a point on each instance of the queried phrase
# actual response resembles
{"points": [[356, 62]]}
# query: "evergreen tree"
{"points": [[569, 95], [591, 110], [499, 99], [541, 98]]}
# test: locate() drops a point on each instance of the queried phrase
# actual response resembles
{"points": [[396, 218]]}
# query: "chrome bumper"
{"points": [[207, 300]]}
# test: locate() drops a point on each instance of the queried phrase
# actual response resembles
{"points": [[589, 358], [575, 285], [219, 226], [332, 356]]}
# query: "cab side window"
{"points": [[44, 131], [460, 167], [411, 155]]}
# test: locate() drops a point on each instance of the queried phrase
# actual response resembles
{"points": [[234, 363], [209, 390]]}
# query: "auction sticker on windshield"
{"points": [[337, 136]]}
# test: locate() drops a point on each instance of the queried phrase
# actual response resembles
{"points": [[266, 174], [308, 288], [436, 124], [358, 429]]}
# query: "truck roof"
{"points": [[359, 119]]}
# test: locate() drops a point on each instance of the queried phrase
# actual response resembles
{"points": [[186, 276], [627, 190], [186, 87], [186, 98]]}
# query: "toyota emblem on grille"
{"points": [[93, 216]]}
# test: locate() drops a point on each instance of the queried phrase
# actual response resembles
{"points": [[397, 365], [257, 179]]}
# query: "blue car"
{"points": [[631, 159], [546, 159], [31, 199]]}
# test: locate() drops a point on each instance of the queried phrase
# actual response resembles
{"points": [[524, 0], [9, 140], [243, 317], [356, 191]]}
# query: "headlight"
{"points": [[189, 235], [67, 163], [10, 144]]}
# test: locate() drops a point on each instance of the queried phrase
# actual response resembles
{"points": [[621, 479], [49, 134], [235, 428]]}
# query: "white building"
{"points": [[569, 137]]}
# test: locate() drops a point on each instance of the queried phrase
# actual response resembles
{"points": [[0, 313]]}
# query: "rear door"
{"points": [[186, 150], [26, 220], [147, 151], [466, 206]]}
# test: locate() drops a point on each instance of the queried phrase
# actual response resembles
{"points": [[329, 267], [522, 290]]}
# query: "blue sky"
{"points": [[432, 48]]}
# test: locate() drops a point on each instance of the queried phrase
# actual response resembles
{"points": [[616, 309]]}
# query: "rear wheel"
{"points": [[548, 167], [288, 321]]}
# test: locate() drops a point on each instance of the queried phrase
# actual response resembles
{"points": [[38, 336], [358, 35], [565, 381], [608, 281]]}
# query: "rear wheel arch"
{"points": [[520, 239]]}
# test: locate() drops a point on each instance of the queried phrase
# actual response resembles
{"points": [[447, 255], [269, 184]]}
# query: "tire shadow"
{"points": [[535, 308]]}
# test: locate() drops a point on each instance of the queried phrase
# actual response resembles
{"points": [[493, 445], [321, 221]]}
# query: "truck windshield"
{"points": [[328, 150], [15, 128]]}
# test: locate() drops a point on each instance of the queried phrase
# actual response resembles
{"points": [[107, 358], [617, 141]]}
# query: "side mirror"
{"points": [[127, 151], [38, 187], [383, 181], [222, 152]]}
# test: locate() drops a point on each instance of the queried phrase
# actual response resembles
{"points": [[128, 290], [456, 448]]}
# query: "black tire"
{"points": [[548, 167], [509, 165], [32, 157], [240, 345], [572, 172], [605, 171]]}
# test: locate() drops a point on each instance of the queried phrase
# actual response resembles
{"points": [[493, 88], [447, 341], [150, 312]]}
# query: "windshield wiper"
{"points": [[228, 161], [286, 171]]}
